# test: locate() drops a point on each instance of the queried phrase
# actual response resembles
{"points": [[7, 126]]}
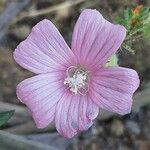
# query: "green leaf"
{"points": [[128, 13], [144, 13], [5, 116], [113, 61]]}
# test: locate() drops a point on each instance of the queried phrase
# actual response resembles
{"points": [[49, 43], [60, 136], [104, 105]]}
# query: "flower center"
{"points": [[77, 80]]}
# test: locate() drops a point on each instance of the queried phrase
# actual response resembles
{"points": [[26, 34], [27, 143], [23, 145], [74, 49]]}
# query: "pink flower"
{"points": [[73, 84]]}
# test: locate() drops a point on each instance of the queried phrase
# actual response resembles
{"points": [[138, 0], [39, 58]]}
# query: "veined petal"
{"points": [[74, 114], [40, 94], [93, 109], [44, 50], [95, 39], [61, 117], [113, 89]]}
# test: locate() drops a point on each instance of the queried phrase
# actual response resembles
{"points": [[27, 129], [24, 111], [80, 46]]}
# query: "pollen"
{"points": [[77, 80]]}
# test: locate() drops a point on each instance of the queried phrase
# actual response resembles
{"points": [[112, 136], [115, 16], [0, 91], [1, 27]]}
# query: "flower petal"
{"points": [[41, 93], [113, 89], [93, 109], [44, 50], [74, 114], [95, 39], [61, 117]]}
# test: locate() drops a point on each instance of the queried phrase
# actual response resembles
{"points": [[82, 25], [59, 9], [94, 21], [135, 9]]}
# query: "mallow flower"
{"points": [[73, 84]]}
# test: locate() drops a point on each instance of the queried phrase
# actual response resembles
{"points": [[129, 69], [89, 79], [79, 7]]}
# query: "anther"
{"points": [[77, 80]]}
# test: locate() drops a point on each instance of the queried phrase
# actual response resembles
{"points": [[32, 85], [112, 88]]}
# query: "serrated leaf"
{"points": [[113, 61], [5, 116]]}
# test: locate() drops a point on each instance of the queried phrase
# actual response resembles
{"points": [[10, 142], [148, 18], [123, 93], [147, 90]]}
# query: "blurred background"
{"points": [[110, 131]]}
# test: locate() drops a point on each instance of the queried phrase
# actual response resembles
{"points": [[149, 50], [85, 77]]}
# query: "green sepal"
{"points": [[113, 61]]}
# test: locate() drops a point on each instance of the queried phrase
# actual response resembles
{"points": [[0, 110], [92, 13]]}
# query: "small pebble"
{"points": [[133, 127], [117, 128]]}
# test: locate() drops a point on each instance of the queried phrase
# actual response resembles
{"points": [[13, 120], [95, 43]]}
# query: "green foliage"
{"points": [[126, 19], [5, 116], [128, 14], [137, 23], [144, 13]]}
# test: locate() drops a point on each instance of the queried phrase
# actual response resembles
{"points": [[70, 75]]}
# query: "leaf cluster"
{"points": [[137, 23]]}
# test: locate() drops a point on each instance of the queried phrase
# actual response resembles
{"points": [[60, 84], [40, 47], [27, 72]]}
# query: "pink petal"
{"points": [[113, 89], [74, 114], [41, 94], [44, 50], [93, 109], [95, 39]]}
